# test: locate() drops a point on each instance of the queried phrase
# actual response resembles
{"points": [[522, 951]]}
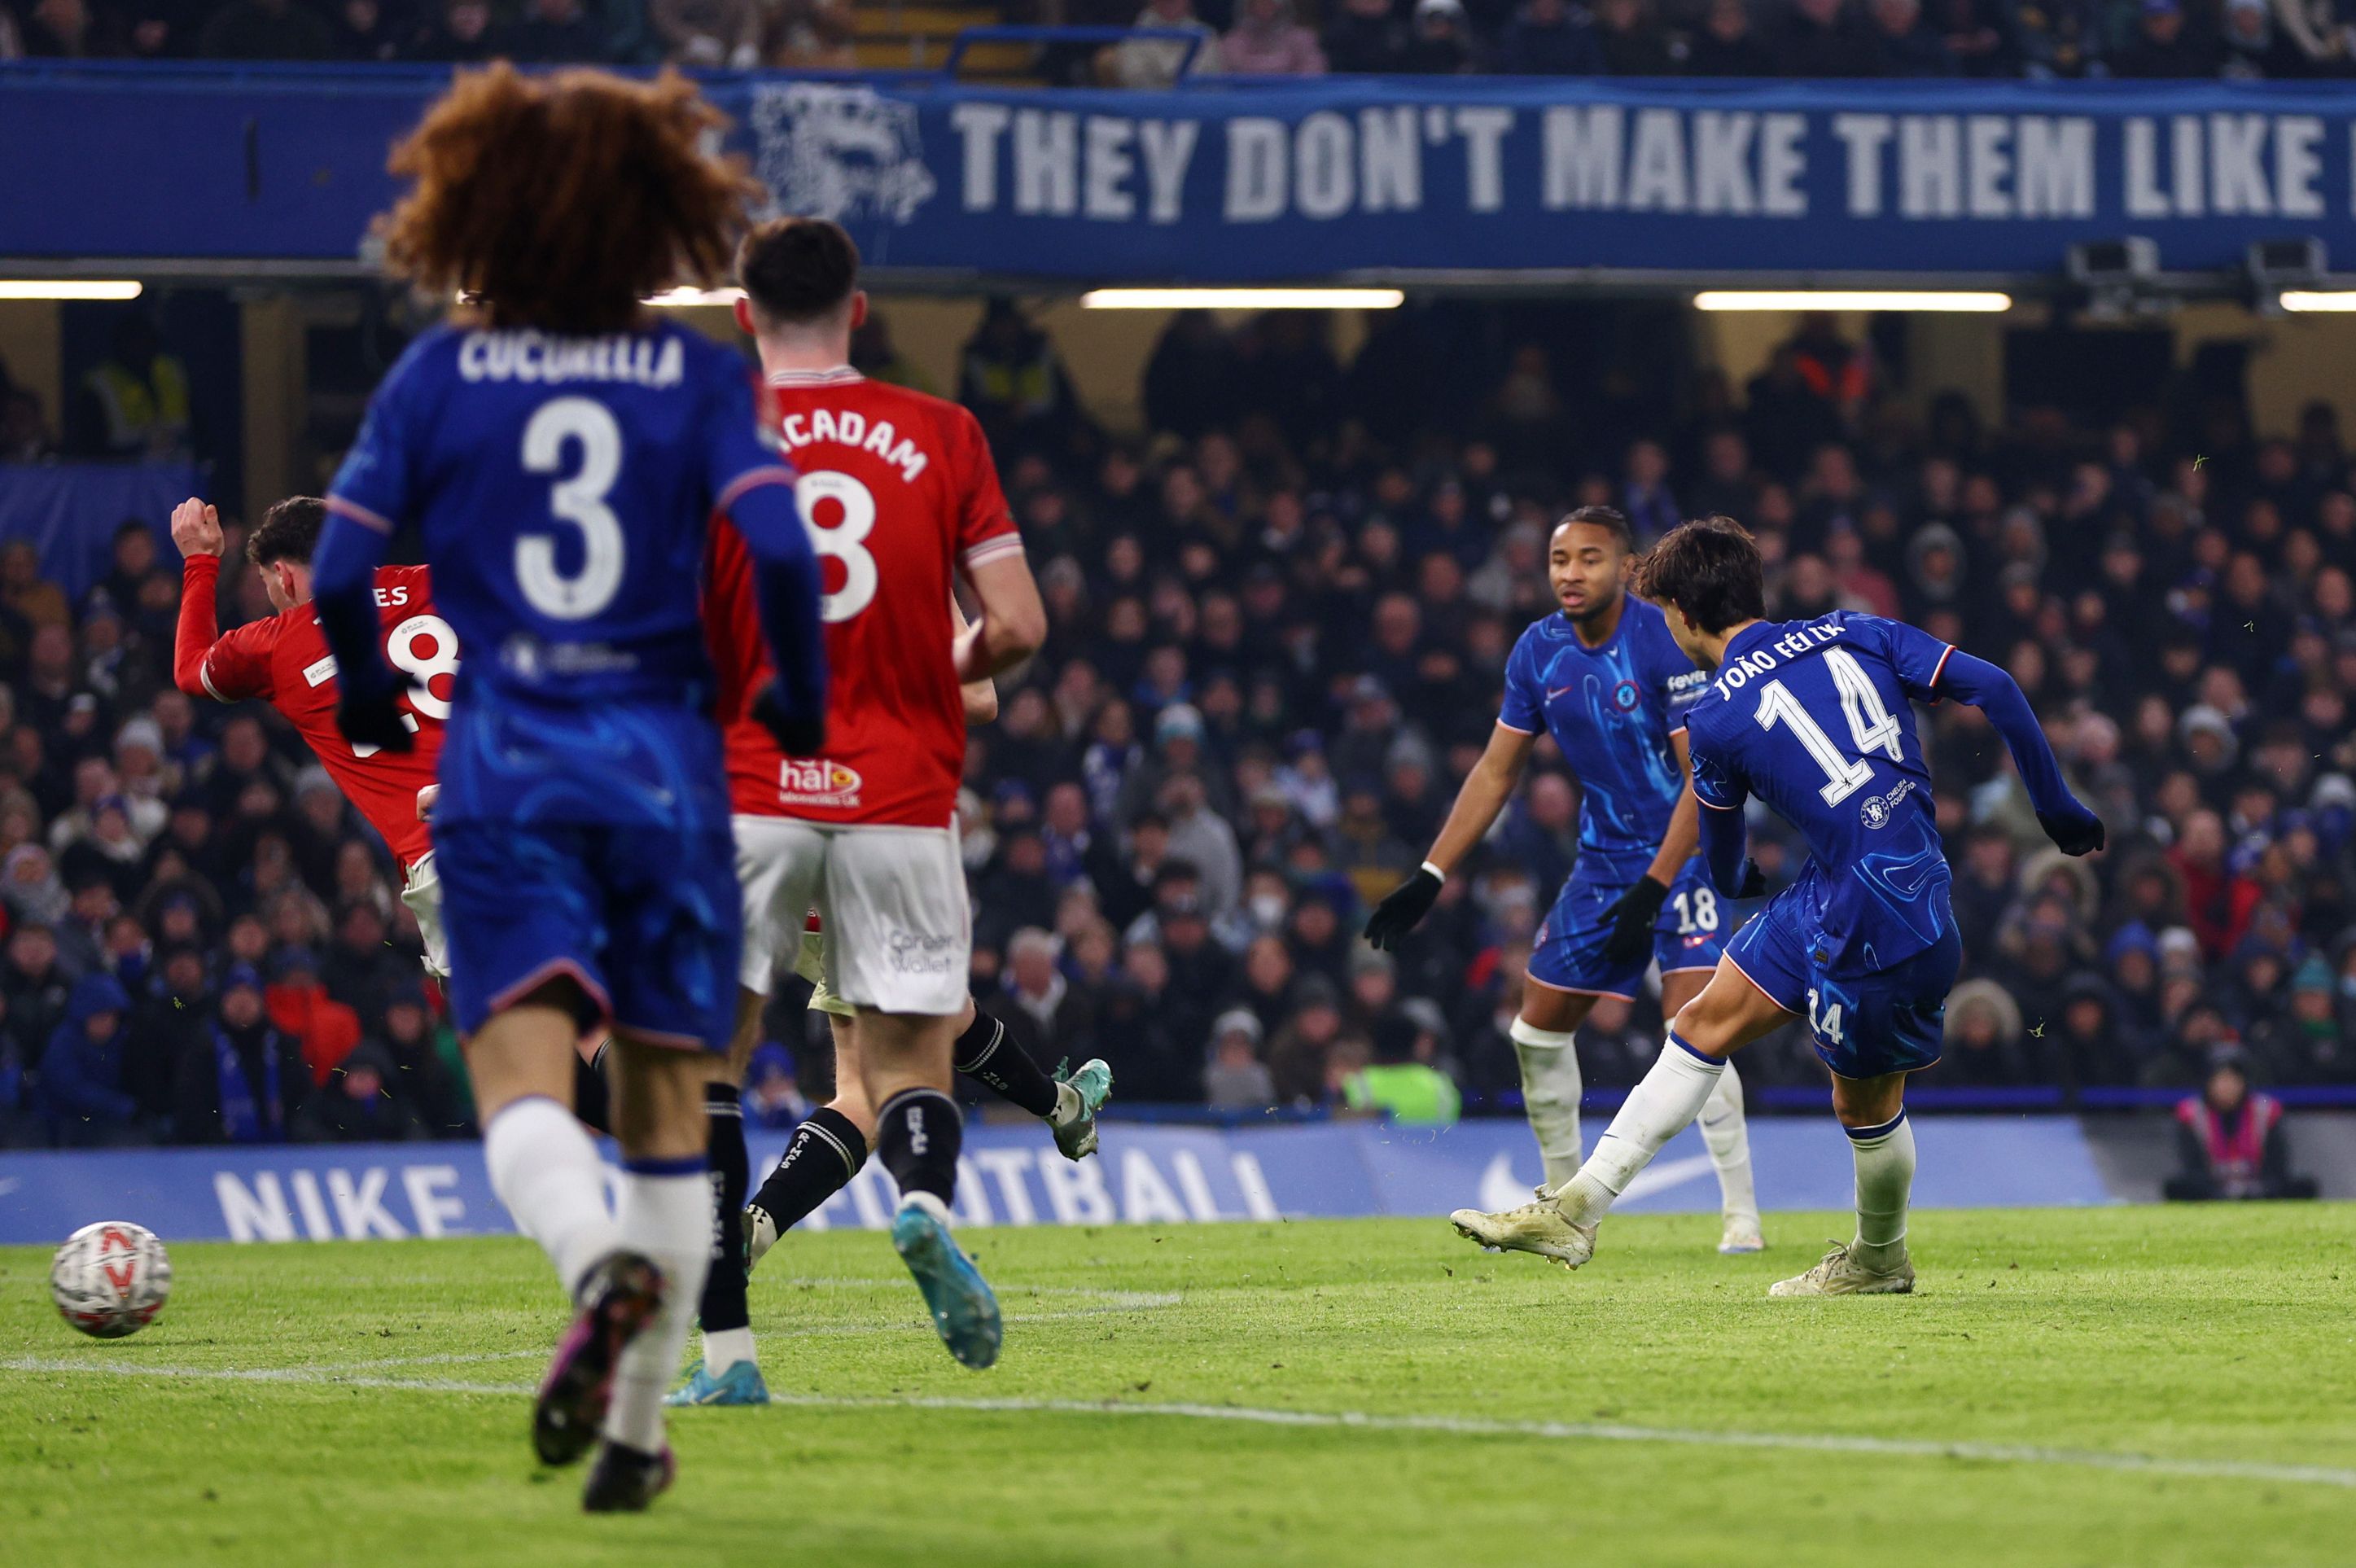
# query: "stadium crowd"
{"points": [[1277, 628], [2122, 38]]}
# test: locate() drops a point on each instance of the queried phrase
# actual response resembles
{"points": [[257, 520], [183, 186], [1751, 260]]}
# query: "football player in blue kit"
{"points": [[561, 453], [1604, 679], [1814, 718]]}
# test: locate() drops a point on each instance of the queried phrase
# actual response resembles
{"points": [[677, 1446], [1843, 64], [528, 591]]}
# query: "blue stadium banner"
{"points": [[1241, 182], [1013, 1176]]}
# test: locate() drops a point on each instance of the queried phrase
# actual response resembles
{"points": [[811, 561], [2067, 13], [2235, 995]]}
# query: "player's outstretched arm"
{"points": [[786, 591], [1483, 795], [2066, 819], [343, 584], [1013, 623], [197, 533]]}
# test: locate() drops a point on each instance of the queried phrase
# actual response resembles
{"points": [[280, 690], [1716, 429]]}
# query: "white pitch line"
{"points": [[1349, 1420]]}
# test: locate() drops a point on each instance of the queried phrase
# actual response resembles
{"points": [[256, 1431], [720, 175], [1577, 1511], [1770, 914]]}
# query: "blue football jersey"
{"points": [[1814, 717], [564, 489], [1612, 711]]}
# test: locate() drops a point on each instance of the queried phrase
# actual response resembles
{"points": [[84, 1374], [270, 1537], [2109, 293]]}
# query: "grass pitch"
{"points": [[2147, 1386]]}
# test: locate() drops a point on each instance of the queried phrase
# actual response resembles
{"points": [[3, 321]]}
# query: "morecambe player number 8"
{"points": [[846, 540]]}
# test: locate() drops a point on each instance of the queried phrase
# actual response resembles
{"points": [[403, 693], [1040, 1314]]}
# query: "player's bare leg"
{"points": [[1725, 1130], [1730, 1012], [665, 1215], [905, 1065], [1872, 1112]]}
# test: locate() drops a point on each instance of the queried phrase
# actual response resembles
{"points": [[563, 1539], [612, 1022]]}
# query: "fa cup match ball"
{"points": [[109, 1279]]}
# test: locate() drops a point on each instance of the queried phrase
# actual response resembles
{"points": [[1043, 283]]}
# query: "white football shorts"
{"points": [[898, 934], [422, 894]]}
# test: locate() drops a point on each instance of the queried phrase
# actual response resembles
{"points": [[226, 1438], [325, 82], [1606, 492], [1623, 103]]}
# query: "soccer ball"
{"points": [[109, 1279]]}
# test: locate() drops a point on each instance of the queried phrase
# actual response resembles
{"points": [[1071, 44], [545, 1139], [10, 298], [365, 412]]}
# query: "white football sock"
{"points": [[1550, 1090], [1725, 1130], [666, 1213], [546, 1170], [723, 1348], [1671, 1095], [1885, 1178]]}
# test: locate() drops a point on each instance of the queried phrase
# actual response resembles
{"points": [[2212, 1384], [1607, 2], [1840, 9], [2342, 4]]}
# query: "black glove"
{"points": [[1632, 918], [1754, 881], [2079, 832], [795, 737], [1401, 908], [374, 721]]}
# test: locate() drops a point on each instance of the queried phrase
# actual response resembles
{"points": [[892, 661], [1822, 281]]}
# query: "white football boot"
{"points": [[1839, 1273], [1742, 1234], [1537, 1226]]}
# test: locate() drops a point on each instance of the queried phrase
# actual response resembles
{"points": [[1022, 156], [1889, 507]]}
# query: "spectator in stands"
{"points": [[1012, 378], [1440, 42], [1983, 1047], [1726, 45], [1153, 64], [1366, 37], [266, 29], [83, 1094], [708, 33], [248, 1081], [460, 34], [1905, 42], [1267, 40], [1398, 1080], [364, 31], [2164, 46], [1822, 38], [1235, 1078], [2230, 1141], [1630, 38], [66, 29], [133, 404], [1548, 37], [556, 32]]}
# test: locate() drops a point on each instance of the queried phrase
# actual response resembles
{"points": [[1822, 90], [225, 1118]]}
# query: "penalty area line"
{"points": [[1344, 1421]]}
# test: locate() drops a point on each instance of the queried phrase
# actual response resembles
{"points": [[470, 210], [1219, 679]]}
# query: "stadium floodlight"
{"points": [[68, 288], [2307, 300], [1982, 301], [1243, 299], [685, 298]]}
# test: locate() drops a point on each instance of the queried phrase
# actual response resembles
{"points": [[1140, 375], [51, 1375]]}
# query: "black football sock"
{"points": [[991, 1056], [724, 1283], [917, 1135], [593, 1100], [827, 1151]]}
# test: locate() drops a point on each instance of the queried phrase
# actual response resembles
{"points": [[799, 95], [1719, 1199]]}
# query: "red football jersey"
{"points": [[284, 662], [897, 489]]}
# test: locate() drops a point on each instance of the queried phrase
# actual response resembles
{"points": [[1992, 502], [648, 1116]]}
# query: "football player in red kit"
{"points": [[900, 496], [284, 662]]}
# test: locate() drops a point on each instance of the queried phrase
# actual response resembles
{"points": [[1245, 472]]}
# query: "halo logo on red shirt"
{"points": [[817, 781]]}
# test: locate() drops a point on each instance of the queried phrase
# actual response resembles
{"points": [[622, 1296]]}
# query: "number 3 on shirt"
{"points": [[846, 540], [579, 500]]}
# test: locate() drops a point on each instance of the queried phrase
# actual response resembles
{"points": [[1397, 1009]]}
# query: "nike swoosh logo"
{"points": [[1552, 692]]}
